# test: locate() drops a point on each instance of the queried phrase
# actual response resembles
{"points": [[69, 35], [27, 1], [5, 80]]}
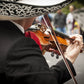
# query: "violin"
{"points": [[47, 41], [57, 41]]}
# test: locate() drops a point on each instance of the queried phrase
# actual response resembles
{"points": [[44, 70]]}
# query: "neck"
{"points": [[21, 22], [25, 23]]}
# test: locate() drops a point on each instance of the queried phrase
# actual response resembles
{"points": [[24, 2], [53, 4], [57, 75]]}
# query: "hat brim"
{"points": [[14, 11]]}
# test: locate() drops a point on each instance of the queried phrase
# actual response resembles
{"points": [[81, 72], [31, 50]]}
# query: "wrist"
{"points": [[71, 57]]}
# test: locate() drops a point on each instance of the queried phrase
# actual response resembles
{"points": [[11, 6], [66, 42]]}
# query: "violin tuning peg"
{"points": [[57, 56], [52, 54]]}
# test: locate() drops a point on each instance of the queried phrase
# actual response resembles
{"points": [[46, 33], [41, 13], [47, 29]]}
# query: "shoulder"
{"points": [[25, 46], [25, 42], [33, 36], [70, 14]]}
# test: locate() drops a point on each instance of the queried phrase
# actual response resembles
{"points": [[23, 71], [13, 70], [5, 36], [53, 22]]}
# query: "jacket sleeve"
{"points": [[26, 64], [61, 72]]}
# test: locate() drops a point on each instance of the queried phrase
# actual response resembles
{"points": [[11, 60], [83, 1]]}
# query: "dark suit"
{"points": [[21, 60]]}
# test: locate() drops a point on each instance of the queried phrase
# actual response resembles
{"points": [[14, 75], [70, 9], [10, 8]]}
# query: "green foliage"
{"points": [[77, 4]]}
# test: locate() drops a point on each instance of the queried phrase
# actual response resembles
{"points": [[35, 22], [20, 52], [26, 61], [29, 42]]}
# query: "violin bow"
{"points": [[48, 24]]}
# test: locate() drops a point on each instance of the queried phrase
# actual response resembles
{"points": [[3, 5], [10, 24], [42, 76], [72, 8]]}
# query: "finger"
{"points": [[76, 36]]}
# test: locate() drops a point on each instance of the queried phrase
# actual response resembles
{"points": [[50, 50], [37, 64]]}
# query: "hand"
{"points": [[69, 22], [72, 31], [74, 48]]}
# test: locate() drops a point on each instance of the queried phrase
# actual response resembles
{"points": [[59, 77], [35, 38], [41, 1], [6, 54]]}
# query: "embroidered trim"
{"points": [[22, 10]]}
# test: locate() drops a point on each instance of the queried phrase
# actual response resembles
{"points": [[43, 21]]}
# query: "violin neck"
{"points": [[62, 35]]}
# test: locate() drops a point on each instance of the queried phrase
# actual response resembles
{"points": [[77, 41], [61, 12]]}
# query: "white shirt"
{"points": [[69, 18]]}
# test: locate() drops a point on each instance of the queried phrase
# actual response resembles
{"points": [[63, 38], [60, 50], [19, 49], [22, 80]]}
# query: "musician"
{"points": [[21, 60]]}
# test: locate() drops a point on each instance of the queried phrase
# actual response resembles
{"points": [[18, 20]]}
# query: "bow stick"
{"points": [[48, 24]]}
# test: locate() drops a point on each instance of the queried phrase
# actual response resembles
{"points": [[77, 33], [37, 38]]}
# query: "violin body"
{"points": [[47, 41]]}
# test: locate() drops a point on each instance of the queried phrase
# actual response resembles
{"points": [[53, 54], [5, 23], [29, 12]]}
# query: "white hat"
{"points": [[17, 9]]}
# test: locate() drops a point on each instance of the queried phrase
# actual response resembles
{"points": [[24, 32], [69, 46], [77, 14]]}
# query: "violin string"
{"points": [[59, 48]]}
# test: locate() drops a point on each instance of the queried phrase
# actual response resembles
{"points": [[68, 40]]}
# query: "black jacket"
{"points": [[21, 60], [60, 20]]}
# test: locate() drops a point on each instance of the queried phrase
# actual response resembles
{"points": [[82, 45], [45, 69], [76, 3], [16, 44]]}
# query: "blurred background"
{"points": [[68, 20]]}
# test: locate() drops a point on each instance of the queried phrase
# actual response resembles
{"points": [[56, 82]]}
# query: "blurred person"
{"points": [[70, 20], [76, 28], [60, 21]]}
